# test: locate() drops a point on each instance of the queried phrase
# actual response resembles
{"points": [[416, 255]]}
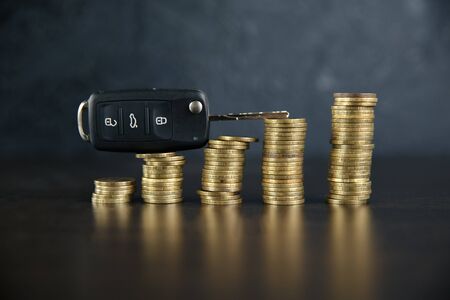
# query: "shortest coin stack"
{"points": [[113, 190], [162, 177], [223, 170], [282, 166]]}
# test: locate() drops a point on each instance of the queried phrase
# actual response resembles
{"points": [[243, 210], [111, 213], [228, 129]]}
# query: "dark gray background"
{"points": [[246, 55]]}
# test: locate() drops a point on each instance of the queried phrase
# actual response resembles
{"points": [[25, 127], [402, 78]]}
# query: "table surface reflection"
{"points": [[56, 244]]}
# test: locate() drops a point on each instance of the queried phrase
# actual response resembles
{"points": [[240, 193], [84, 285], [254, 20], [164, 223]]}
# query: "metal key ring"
{"points": [[81, 108]]}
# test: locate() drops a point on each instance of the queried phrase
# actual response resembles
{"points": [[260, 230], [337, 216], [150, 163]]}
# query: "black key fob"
{"points": [[146, 121]]}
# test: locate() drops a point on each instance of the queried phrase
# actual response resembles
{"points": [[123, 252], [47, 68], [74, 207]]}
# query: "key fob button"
{"points": [[162, 119], [109, 121], [134, 121]]}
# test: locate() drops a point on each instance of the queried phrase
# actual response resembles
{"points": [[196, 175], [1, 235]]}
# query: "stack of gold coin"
{"points": [[162, 177], [223, 170], [113, 190], [352, 146], [282, 166]]}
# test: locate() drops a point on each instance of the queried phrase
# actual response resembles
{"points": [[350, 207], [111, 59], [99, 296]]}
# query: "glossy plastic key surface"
{"points": [[154, 120]]}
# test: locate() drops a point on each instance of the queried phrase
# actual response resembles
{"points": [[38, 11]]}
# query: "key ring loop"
{"points": [[81, 108]]}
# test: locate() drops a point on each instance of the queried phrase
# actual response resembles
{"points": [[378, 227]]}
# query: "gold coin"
{"points": [[276, 188], [352, 134], [227, 165], [244, 139], [218, 194], [352, 109], [356, 180], [276, 134], [283, 143], [163, 168], [280, 158], [114, 181], [352, 117], [162, 201], [295, 163], [291, 130], [352, 147], [350, 142], [224, 158], [153, 175], [285, 121], [349, 193], [165, 163], [223, 168], [161, 180], [342, 202], [154, 155], [363, 168], [349, 197], [282, 176], [118, 193], [221, 188], [109, 201], [220, 181], [221, 173], [298, 194], [165, 159], [221, 202], [115, 188], [222, 152], [298, 201], [293, 147], [218, 144]]}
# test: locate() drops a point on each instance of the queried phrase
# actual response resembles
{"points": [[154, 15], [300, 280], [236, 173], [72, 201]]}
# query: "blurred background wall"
{"points": [[247, 55]]}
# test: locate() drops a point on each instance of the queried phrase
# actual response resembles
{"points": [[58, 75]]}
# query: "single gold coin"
{"points": [[219, 152], [353, 147], [155, 155], [298, 201], [349, 197], [220, 202], [245, 139], [114, 181], [356, 180], [352, 109], [297, 194], [109, 201], [219, 144], [285, 121], [218, 194], [332, 201], [162, 201], [284, 147], [164, 163], [276, 188]]}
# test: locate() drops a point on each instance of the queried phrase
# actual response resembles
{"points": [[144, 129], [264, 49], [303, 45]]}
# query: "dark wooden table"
{"points": [[56, 244]]}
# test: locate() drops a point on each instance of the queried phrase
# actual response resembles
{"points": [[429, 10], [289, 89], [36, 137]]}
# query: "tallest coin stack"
{"points": [[352, 147]]}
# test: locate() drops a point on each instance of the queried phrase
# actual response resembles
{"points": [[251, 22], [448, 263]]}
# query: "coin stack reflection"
{"points": [[223, 170], [352, 146], [282, 166], [113, 190], [162, 177]]}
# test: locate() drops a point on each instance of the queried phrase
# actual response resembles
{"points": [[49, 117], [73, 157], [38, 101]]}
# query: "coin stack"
{"points": [[162, 177], [223, 170], [352, 147], [282, 166], [113, 190]]}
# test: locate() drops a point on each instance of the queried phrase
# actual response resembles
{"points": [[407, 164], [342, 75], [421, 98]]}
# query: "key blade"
{"points": [[282, 114]]}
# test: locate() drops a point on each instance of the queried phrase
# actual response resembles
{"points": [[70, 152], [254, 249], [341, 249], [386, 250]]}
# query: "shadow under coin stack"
{"points": [[223, 170], [162, 177], [352, 147], [282, 166], [113, 190]]}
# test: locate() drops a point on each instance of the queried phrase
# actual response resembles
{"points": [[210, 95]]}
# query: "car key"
{"points": [[153, 120]]}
